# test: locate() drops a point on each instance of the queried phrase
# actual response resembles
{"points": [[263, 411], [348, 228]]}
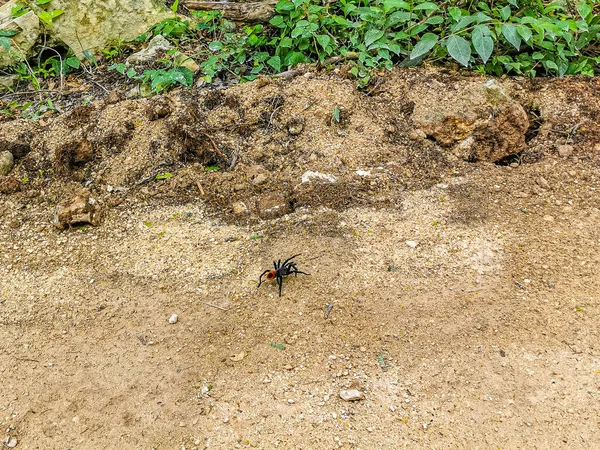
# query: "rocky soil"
{"points": [[449, 225]]}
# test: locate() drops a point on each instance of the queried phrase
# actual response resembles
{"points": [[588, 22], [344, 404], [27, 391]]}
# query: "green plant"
{"points": [[19, 10], [161, 79], [172, 28], [507, 36], [212, 168], [114, 50], [164, 175]]}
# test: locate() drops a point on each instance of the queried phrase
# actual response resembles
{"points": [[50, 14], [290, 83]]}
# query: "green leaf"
{"points": [[148, 224], [90, 57], [164, 175], [505, 13], [73, 62], [335, 115], [294, 58], [324, 40], [584, 9], [215, 46], [48, 16], [427, 6], [483, 44], [42, 2], [131, 73], [435, 20], [459, 49], [275, 63], [277, 346], [514, 3], [175, 6], [277, 21], [284, 6], [372, 36], [5, 43], [9, 33], [509, 31], [455, 13], [118, 67], [212, 168], [524, 32], [183, 75], [389, 5], [427, 42]]}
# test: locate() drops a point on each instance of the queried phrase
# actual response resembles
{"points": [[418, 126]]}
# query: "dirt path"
{"points": [[464, 299], [449, 350]]}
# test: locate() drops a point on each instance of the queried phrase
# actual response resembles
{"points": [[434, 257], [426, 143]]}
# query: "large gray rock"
{"points": [[22, 43], [84, 25], [91, 24], [6, 162]]}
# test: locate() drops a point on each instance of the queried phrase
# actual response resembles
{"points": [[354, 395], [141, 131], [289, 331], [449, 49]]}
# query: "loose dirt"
{"points": [[480, 332]]}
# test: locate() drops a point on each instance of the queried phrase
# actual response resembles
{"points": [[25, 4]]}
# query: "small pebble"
{"points": [[291, 401], [442, 186], [11, 443], [564, 151], [543, 183], [173, 319], [412, 244], [350, 395], [548, 218]]}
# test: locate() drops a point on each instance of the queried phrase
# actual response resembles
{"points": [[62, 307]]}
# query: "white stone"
{"points": [[309, 176], [350, 395]]}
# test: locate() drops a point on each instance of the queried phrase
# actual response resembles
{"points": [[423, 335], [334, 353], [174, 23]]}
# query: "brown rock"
{"points": [[488, 124], [253, 172], [543, 183], [295, 126], [81, 208], [261, 178], [72, 152], [564, 151], [9, 185], [239, 208], [114, 97]]}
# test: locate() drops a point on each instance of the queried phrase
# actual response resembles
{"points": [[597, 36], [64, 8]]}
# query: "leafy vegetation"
{"points": [[160, 79], [515, 37], [525, 37]]}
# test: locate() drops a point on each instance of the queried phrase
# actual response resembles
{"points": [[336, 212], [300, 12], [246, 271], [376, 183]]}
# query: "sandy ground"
{"points": [[485, 335]]}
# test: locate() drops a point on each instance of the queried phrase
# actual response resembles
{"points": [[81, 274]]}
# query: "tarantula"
{"points": [[281, 270]]}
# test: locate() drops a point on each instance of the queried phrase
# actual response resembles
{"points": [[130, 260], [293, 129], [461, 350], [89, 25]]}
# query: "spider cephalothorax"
{"points": [[281, 270]]}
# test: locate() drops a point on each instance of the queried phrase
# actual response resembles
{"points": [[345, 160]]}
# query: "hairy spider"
{"points": [[281, 270]]}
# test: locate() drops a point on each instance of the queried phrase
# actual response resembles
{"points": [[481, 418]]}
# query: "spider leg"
{"points": [[260, 278], [280, 283], [296, 272], [290, 258], [275, 264]]}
